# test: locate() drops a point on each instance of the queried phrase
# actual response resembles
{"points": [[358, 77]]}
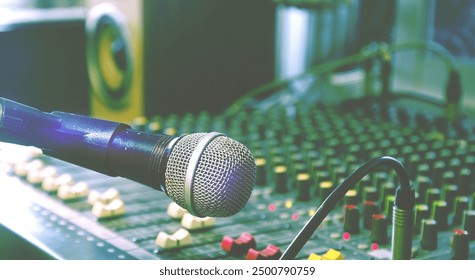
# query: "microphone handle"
{"points": [[104, 146], [141, 156]]}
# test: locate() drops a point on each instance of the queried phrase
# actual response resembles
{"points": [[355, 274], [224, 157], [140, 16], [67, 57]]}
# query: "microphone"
{"points": [[208, 174]]}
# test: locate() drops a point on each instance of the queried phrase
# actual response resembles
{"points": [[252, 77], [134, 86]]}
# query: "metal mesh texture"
{"points": [[177, 164], [223, 179]]}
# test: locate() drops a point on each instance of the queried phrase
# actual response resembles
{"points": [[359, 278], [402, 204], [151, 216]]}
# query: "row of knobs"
{"points": [[287, 159], [427, 223], [462, 126]]}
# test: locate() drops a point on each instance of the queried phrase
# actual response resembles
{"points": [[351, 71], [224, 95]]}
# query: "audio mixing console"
{"points": [[69, 212]]}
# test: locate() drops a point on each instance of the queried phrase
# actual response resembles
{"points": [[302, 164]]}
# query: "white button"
{"points": [[106, 197], [36, 176], [179, 239], [22, 168], [175, 211], [51, 184], [192, 222], [78, 190], [114, 208]]}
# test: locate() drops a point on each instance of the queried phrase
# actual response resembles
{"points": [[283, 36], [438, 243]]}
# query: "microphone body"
{"points": [[108, 147], [178, 166]]}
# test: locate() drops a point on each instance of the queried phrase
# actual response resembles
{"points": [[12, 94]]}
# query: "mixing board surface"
{"points": [[301, 152]]}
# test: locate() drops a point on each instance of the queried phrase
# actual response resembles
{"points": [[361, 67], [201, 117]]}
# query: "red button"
{"points": [[270, 253], [240, 245]]}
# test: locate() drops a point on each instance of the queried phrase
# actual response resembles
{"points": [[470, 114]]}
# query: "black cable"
{"points": [[319, 69], [423, 45], [417, 96], [365, 55], [404, 199]]}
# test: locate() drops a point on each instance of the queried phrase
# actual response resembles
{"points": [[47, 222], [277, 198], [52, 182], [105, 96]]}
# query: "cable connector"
{"points": [[402, 233], [403, 207]]}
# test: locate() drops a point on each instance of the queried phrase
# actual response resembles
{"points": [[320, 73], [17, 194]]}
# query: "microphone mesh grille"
{"points": [[177, 164], [223, 179]]}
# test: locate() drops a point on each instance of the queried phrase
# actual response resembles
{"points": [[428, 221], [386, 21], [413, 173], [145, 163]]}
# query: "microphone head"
{"points": [[210, 174]]}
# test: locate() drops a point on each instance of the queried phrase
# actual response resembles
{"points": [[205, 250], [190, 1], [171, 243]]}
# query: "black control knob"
{"points": [[461, 204], [466, 176], [387, 190], [429, 235], [379, 229], [412, 162], [351, 219], [370, 194], [423, 184], [280, 173], [438, 172], [351, 197], [303, 187], [450, 192], [432, 195], [325, 189], [369, 209], [469, 223], [460, 245], [261, 171], [440, 214], [339, 173], [424, 168], [422, 212]]}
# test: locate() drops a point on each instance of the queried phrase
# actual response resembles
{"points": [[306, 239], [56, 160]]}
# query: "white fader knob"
{"points": [[194, 223], [179, 239], [114, 208], [109, 195], [175, 211], [51, 184], [78, 190]]}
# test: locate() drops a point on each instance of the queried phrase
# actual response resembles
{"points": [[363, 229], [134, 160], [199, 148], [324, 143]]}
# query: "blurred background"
{"points": [[120, 59], [187, 60]]}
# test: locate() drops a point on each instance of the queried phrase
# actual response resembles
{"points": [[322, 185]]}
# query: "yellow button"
{"points": [[311, 212], [303, 177], [280, 169], [260, 161], [326, 185], [351, 193], [154, 126], [289, 203], [333, 254], [140, 120], [170, 131], [314, 257]]}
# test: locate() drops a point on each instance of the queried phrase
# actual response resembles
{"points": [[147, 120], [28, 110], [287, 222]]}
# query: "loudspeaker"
{"points": [[42, 58], [176, 56], [114, 59]]}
